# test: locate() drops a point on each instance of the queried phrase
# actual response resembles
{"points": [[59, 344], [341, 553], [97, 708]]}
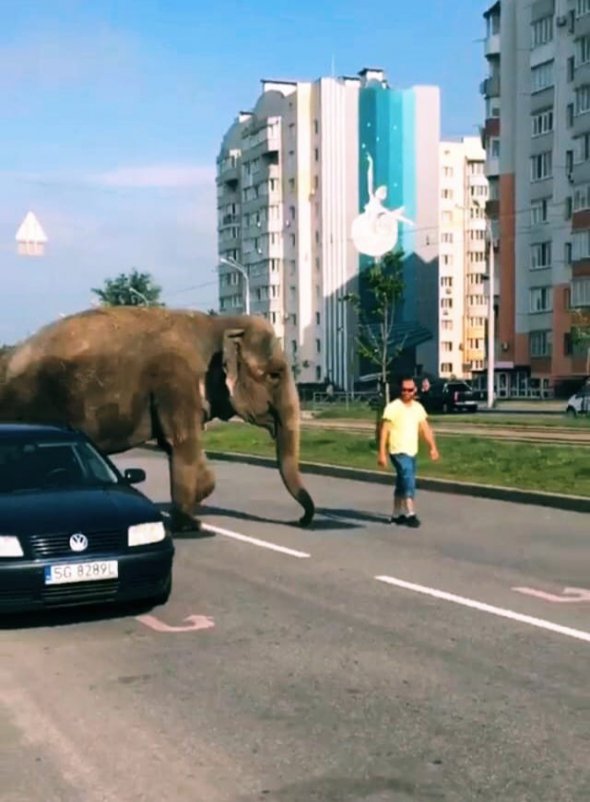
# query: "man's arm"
{"points": [[383, 440], [428, 436]]}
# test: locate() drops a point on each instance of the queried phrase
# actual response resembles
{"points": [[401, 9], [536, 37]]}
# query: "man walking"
{"points": [[403, 420]]}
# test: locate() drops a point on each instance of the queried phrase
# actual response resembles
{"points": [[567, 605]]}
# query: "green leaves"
{"points": [[133, 289], [381, 289]]}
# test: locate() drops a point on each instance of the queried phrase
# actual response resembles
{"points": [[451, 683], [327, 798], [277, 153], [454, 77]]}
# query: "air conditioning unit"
{"points": [[561, 21]]}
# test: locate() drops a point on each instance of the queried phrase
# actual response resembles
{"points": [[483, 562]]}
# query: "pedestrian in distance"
{"points": [[403, 421]]}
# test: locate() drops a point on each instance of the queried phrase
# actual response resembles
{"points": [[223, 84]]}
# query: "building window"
{"points": [[581, 197], [542, 122], [447, 325], [542, 166], [318, 346], [580, 245], [582, 148], [582, 7], [447, 347], [582, 51], [446, 367], [446, 237], [580, 293], [317, 318], [582, 100], [318, 373], [446, 281], [542, 76], [540, 255], [541, 32], [539, 211], [540, 299], [540, 343]]}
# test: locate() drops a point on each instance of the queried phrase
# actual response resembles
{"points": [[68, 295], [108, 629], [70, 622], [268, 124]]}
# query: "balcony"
{"points": [[492, 167], [490, 87], [492, 45]]}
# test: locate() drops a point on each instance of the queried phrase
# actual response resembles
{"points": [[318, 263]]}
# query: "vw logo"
{"points": [[78, 542]]}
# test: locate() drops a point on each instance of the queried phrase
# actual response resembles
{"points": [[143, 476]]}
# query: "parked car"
{"points": [[579, 403], [73, 530], [447, 396]]}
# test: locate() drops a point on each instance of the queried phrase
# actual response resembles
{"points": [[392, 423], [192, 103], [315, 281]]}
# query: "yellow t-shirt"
{"points": [[405, 420]]}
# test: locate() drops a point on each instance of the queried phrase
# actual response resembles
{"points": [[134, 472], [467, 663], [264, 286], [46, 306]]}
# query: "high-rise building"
{"points": [[462, 259], [537, 138], [292, 174]]}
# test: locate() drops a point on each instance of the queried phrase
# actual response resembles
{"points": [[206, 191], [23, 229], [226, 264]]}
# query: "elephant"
{"points": [[128, 375]]}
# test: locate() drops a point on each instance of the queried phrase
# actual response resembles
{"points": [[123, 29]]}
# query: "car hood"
{"points": [[87, 510]]}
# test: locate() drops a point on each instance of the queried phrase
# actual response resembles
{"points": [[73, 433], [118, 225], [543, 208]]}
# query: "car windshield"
{"points": [[52, 464]]}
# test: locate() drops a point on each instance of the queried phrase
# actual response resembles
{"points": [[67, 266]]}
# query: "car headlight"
{"points": [[142, 534], [10, 546]]}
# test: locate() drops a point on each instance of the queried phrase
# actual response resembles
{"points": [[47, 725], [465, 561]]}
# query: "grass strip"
{"points": [[526, 466]]}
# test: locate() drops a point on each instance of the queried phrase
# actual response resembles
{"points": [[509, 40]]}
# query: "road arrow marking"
{"points": [[194, 622], [569, 595]]}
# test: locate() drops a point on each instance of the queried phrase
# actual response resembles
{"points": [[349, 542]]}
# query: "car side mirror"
{"points": [[134, 476]]}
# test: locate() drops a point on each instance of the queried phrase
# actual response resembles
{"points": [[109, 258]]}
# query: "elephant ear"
{"points": [[232, 343]]}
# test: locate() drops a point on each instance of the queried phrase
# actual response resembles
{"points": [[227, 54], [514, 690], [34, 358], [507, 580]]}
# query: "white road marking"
{"points": [[194, 622], [569, 596], [487, 608], [265, 544]]}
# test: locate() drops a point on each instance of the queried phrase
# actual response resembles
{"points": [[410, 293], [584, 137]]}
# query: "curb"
{"points": [[495, 492]]}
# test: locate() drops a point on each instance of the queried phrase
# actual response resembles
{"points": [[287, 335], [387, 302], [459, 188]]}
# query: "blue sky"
{"points": [[111, 113]]}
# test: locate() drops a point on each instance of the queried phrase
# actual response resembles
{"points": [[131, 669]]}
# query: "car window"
{"points": [[52, 464]]}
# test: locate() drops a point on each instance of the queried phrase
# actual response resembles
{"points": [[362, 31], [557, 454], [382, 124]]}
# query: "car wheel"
{"points": [[571, 412]]}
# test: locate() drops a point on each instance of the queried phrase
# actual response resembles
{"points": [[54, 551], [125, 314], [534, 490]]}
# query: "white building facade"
{"points": [[287, 190], [291, 178], [462, 258]]}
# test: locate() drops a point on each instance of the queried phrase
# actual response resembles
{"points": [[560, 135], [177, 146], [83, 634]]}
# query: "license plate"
{"points": [[81, 572]]}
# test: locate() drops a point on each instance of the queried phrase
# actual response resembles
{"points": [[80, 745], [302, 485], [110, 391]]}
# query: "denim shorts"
{"points": [[405, 469]]}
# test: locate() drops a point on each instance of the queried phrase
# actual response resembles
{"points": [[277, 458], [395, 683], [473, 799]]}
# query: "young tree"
{"points": [[132, 289], [581, 332], [381, 289]]}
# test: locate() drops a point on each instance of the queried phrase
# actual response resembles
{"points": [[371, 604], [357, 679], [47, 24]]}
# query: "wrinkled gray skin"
{"points": [[127, 375]]}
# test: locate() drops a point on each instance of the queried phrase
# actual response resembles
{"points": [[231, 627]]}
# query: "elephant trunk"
{"points": [[287, 440]]}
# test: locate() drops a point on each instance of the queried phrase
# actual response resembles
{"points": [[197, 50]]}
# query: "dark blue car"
{"points": [[73, 530]]}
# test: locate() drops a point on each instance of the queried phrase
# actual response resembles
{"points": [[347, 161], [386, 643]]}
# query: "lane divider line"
{"points": [[487, 608], [264, 544]]}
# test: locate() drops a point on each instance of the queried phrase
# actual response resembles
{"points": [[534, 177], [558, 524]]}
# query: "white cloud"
{"points": [[157, 176]]}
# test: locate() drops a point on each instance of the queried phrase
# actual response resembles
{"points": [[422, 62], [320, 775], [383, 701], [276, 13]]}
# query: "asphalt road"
{"points": [[310, 679]]}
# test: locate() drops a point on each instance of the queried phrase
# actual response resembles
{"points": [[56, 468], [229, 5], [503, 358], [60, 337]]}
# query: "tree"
{"points": [[133, 289], [581, 332], [381, 289]]}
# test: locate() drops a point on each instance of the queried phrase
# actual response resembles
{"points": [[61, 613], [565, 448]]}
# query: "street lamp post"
{"points": [[241, 269]]}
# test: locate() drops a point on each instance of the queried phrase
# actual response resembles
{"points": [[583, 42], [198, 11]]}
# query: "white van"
{"points": [[579, 403]]}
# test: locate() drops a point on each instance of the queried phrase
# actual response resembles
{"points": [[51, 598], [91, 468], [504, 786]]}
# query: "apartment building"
{"points": [[291, 177], [537, 138], [463, 309]]}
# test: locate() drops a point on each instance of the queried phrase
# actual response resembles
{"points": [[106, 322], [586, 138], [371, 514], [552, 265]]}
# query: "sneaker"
{"points": [[398, 520], [412, 521]]}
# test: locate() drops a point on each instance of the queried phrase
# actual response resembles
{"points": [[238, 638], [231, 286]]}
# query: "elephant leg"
{"points": [[205, 480], [186, 480], [178, 432]]}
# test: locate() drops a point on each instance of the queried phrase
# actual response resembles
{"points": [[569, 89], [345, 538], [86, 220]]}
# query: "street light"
{"points": [[241, 269]]}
